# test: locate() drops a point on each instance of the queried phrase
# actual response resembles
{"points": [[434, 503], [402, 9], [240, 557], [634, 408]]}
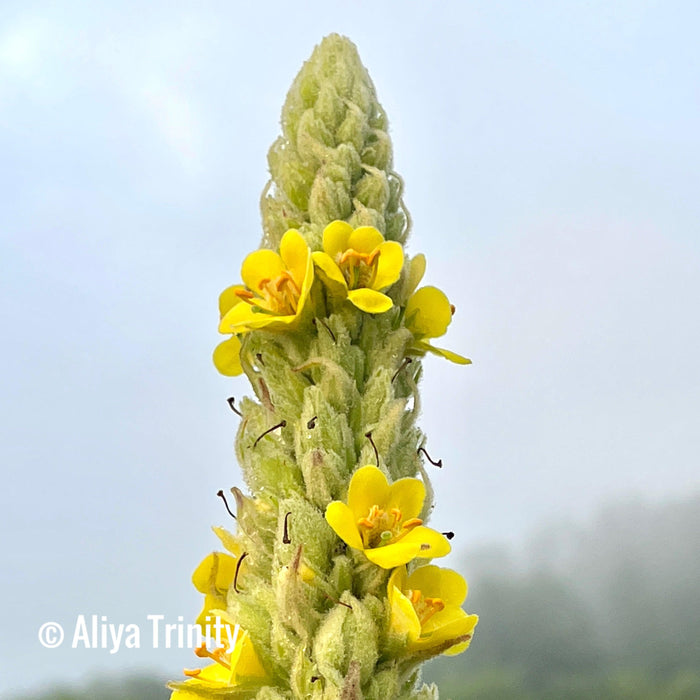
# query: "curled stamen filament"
{"points": [[217, 655]]}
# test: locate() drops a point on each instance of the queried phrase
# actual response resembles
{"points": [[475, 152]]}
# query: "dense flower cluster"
{"points": [[354, 265]]}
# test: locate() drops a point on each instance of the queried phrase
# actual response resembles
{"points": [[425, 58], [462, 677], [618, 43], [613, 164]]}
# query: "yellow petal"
{"points": [[403, 620], [365, 239], [447, 354], [228, 540], [245, 662], [428, 313], [182, 694], [370, 301], [335, 238], [306, 285], [465, 628], [330, 273], [437, 544], [261, 265], [243, 318], [397, 581], [415, 273], [394, 554], [240, 319], [450, 623], [343, 522], [276, 323], [227, 357], [214, 675], [211, 602], [435, 582], [368, 487], [294, 253], [408, 496], [229, 298], [389, 265], [215, 572]]}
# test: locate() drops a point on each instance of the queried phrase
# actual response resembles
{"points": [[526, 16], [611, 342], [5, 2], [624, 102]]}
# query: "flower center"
{"points": [[381, 528], [425, 607], [279, 295], [359, 269]]}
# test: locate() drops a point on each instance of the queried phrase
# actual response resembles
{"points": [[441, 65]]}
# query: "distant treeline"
{"points": [[611, 610], [605, 612]]}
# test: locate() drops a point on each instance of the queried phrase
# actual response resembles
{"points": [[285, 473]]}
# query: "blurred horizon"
{"points": [[551, 157]]}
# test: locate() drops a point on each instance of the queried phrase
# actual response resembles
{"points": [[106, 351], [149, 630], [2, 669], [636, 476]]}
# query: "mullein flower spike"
{"points": [[327, 575]]}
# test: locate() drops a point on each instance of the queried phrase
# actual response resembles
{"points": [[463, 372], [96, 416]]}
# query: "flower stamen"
{"points": [[425, 607], [278, 295], [359, 269], [245, 294], [380, 528], [281, 294], [410, 524], [217, 655]]}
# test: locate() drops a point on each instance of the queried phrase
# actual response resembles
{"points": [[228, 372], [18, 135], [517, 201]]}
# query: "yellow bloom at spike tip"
{"points": [[425, 608], [275, 290], [382, 520], [358, 263], [428, 314], [239, 667]]}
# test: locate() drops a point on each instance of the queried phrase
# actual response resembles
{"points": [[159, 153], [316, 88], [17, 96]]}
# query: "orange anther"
{"points": [[436, 603], [373, 256], [286, 279], [202, 652], [410, 524]]}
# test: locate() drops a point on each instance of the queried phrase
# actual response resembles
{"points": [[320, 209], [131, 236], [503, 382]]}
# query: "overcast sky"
{"points": [[551, 153]]}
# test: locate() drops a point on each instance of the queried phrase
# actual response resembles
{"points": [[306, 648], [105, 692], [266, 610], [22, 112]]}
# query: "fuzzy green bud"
{"points": [[334, 158]]}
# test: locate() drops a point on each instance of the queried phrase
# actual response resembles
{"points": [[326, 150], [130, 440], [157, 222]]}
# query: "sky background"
{"points": [[551, 154]]}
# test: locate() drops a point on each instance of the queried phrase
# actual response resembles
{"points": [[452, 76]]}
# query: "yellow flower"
{"points": [[213, 577], [382, 520], [425, 608], [277, 286], [428, 314], [357, 263], [240, 666]]}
